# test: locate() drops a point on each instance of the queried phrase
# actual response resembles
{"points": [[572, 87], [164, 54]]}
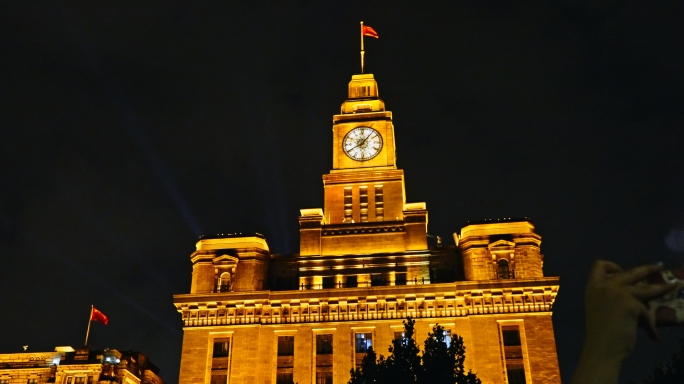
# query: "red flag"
{"points": [[99, 316], [368, 31]]}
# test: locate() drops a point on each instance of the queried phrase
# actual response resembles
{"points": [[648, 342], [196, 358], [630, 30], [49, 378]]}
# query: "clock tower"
{"points": [[363, 108], [363, 267], [365, 200]]}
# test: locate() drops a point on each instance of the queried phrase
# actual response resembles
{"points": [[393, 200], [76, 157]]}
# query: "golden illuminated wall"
{"points": [[216, 259], [485, 245], [391, 183], [65, 367], [256, 347], [40, 368], [252, 322]]}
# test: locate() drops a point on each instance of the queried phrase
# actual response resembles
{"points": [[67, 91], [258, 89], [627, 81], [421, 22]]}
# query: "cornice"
{"points": [[458, 299]]}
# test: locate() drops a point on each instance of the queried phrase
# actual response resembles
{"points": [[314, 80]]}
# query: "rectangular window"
{"points": [[285, 378], [516, 373], [220, 360], [378, 280], [447, 337], [324, 344], [90, 379], [379, 205], [285, 345], [363, 199], [219, 379], [221, 348], [4, 381], [348, 205], [32, 381], [70, 380], [363, 342], [442, 275], [324, 378], [511, 336], [400, 337], [400, 278], [328, 282], [79, 380], [352, 281], [285, 364], [515, 367]]}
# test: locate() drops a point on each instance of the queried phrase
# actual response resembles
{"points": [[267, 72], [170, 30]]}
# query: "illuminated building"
{"points": [[78, 366], [365, 265]]}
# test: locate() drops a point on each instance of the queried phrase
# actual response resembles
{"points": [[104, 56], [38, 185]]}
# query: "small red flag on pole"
{"points": [[366, 31], [99, 317], [95, 315]]}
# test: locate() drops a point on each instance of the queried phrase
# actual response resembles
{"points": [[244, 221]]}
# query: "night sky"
{"points": [[127, 130]]}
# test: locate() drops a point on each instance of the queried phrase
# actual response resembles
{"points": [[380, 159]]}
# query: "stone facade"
{"points": [[365, 264], [78, 366]]}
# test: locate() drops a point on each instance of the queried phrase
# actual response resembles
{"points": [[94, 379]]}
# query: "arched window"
{"points": [[224, 282], [504, 270]]}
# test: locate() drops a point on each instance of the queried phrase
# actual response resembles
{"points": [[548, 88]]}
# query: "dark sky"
{"points": [[127, 130]]}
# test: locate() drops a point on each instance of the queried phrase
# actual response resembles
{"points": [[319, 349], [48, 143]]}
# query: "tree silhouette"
{"points": [[441, 362], [371, 367], [670, 373]]}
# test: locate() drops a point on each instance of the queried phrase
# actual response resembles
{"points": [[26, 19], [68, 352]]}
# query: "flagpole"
{"points": [[89, 321], [362, 52]]}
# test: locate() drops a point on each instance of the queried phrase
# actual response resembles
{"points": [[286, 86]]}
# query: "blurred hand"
{"points": [[615, 304]]}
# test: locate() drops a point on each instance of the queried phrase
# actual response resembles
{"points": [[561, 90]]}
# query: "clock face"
{"points": [[362, 143]]}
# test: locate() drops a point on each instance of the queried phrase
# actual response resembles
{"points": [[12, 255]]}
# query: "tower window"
{"points": [[363, 198], [400, 278], [352, 281], [379, 206], [348, 205], [224, 284], [363, 90], [504, 271]]}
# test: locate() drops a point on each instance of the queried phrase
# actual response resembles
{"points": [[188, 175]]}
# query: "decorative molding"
{"points": [[316, 306]]}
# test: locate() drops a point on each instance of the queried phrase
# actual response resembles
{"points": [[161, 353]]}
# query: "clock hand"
{"points": [[363, 141]]}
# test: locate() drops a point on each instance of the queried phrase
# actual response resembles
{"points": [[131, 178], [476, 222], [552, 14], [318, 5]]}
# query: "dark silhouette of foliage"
{"points": [[439, 364], [403, 365], [443, 364], [372, 369], [672, 372]]}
